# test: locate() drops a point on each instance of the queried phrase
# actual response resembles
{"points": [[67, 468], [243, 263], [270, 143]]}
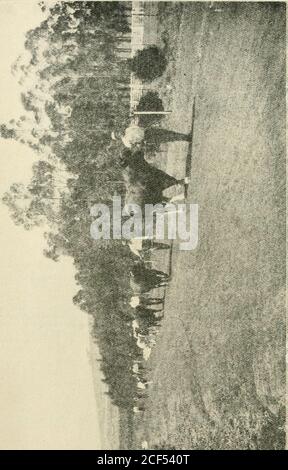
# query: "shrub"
{"points": [[149, 63]]}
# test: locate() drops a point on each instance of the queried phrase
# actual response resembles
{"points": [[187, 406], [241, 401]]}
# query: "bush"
{"points": [[150, 102], [149, 63]]}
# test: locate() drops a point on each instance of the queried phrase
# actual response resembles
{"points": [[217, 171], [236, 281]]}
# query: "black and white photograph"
{"points": [[143, 225]]}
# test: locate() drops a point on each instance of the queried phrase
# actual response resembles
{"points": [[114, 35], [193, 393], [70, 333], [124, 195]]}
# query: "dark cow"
{"points": [[148, 279]]}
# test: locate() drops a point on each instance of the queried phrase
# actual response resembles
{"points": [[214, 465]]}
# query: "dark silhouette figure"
{"points": [[147, 180]]}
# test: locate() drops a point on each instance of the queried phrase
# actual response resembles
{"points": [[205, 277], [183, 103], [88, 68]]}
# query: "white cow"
{"points": [[146, 353], [135, 368], [141, 385], [136, 409]]}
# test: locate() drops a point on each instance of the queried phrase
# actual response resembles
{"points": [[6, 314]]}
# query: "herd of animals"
{"points": [[145, 184], [147, 303]]}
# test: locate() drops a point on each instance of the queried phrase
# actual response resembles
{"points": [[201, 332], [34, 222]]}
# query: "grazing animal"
{"points": [[148, 279], [135, 328], [135, 301], [144, 183], [138, 409], [149, 303], [141, 385], [141, 341], [135, 246], [146, 353], [159, 246], [135, 368]]}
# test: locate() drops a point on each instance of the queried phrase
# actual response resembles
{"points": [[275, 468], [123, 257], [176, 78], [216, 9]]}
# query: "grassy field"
{"points": [[218, 368]]}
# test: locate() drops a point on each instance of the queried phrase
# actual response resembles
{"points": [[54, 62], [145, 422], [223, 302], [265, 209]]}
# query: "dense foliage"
{"points": [[149, 63], [74, 91]]}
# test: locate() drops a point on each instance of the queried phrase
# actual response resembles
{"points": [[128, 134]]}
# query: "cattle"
{"points": [[135, 246], [138, 409], [141, 340], [144, 445], [150, 303], [148, 279]]}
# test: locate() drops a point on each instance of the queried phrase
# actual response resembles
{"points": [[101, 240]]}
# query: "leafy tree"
{"points": [[34, 204]]}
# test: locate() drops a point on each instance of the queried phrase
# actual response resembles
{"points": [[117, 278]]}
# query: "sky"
{"points": [[47, 398]]}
